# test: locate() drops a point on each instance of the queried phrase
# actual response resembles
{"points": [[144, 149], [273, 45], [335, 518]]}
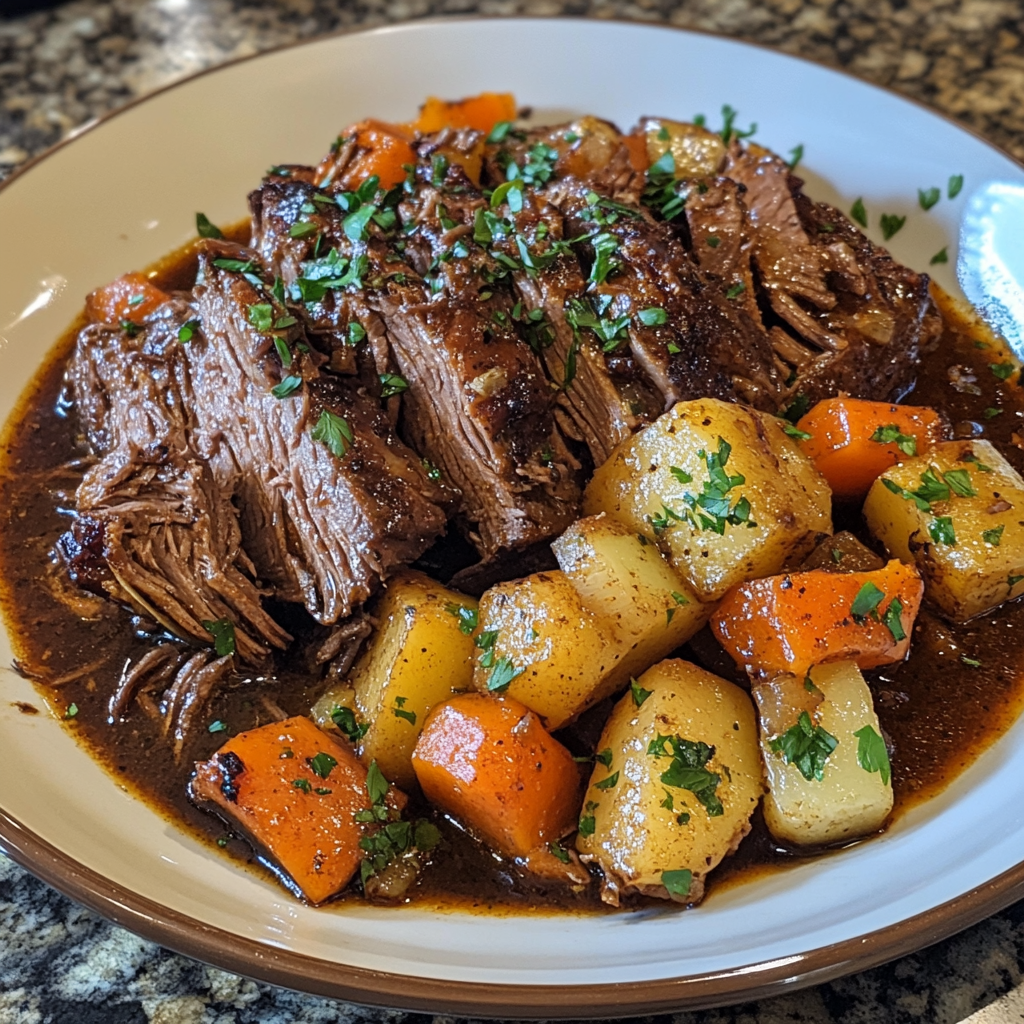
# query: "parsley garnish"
{"points": [[217, 726], [499, 131], [186, 332], [994, 536], [236, 266], [868, 598], [797, 155], [1001, 370], [736, 290], [604, 757], [605, 246], [992, 412], [942, 256], [323, 764], [928, 197], [467, 617], [399, 710], [712, 509], [941, 530], [392, 384], [71, 712], [639, 693], [608, 783], [677, 883], [345, 720], [303, 229], [956, 182], [728, 131], [807, 746], [797, 408], [223, 633], [906, 443], [959, 481], [652, 317], [796, 432], [510, 192], [303, 784], [893, 621], [206, 228], [559, 851], [891, 223], [587, 821], [687, 770], [1012, 581], [287, 386], [871, 753], [334, 432], [970, 662], [859, 214], [502, 674]]}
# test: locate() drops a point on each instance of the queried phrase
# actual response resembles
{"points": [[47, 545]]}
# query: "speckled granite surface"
{"points": [[60, 964]]}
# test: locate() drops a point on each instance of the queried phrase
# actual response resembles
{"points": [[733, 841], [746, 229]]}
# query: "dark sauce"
{"points": [[938, 711]]}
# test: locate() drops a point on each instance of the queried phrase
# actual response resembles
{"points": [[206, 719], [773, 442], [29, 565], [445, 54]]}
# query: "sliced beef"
{"points": [[155, 530], [477, 405], [338, 510]]}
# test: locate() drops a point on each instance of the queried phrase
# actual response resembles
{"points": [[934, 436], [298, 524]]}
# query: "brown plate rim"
{"points": [[300, 972]]}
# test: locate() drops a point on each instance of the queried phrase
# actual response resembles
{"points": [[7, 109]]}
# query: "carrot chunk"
{"points": [[853, 441], [130, 297], [296, 791], [787, 624], [381, 149], [481, 112], [489, 762]]}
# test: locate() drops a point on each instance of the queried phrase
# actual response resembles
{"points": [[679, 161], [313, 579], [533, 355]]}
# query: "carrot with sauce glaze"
{"points": [[130, 297]]}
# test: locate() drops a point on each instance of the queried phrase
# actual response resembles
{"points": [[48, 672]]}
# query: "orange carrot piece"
{"points": [[295, 790], [481, 112], [636, 144], [790, 623], [488, 761], [381, 148], [842, 446], [130, 297]]}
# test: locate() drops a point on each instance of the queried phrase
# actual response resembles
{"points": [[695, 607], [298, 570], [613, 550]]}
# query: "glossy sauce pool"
{"points": [[939, 711]]}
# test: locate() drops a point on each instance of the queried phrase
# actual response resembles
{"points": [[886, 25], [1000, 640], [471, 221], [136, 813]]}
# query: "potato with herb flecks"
{"points": [[725, 492], [539, 644], [677, 777], [420, 654], [646, 608], [957, 513], [826, 762]]}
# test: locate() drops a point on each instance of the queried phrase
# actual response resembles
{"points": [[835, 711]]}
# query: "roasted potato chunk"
{"points": [[678, 776], [956, 513], [827, 766], [697, 152], [541, 645], [625, 581], [421, 654], [726, 493]]}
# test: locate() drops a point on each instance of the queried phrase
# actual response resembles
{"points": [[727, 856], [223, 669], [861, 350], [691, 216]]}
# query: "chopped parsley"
{"points": [[995, 536], [587, 822], [223, 633], [499, 131], [652, 317], [1003, 371], [288, 386], [871, 753], [399, 711], [859, 214], [892, 434], [608, 783], [688, 769], [992, 412], [940, 529], [893, 620], [217, 726], [334, 432], [72, 711], [559, 851], [303, 784], [345, 720], [797, 408], [866, 603], [970, 662], [639, 693], [392, 384], [713, 508], [303, 229], [502, 674], [928, 197], [795, 432], [186, 332], [807, 746], [604, 757], [796, 155], [728, 131], [891, 223], [677, 883], [605, 246], [736, 290], [956, 182], [206, 228], [467, 617], [1012, 581], [322, 764], [959, 481], [942, 256]]}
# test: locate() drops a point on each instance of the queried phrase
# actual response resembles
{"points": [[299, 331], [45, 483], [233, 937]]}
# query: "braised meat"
{"points": [[155, 530], [341, 501], [475, 403]]}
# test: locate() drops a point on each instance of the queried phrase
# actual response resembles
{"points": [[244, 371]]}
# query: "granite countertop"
{"points": [[59, 963]]}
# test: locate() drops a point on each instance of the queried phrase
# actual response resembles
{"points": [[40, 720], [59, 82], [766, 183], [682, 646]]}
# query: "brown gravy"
{"points": [[940, 712]]}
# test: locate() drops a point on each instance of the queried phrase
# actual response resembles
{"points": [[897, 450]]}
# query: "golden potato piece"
{"points": [[957, 513], [678, 776], [726, 493], [696, 151], [625, 581], [421, 653], [540, 645], [841, 738]]}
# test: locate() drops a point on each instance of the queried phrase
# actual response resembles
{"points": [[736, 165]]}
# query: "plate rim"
{"points": [[301, 972]]}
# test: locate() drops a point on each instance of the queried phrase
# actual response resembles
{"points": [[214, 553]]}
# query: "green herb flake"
{"points": [[893, 620], [891, 223], [303, 229], [992, 412], [795, 432], [187, 331], [868, 598], [652, 317], [334, 432], [345, 720], [970, 662], [392, 384], [467, 617], [942, 256], [807, 746], [510, 192], [680, 599], [736, 290], [1012, 581], [217, 726], [587, 822], [993, 537], [859, 213], [289, 385], [303, 784], [399, 711], [559, 851], [261, 315], [604, 757], [322, 764], [223, 633], [956, 183], [206, 228], [688, 769], [639, 693], [928, 197], [502, 674], [71, 712], [608, 783], [223, 841], [499, 131], [796, 155], [940, 529], [681, 475], [959, 481], [677, 883], [891, 434], [871, 753], [1002, 371]]}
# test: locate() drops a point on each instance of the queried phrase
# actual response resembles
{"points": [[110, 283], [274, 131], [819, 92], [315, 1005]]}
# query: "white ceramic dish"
{"points": [[125, 192]]}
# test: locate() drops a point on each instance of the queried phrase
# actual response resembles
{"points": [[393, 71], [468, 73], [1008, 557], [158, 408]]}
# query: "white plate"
{"points": [[126, 192]]}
